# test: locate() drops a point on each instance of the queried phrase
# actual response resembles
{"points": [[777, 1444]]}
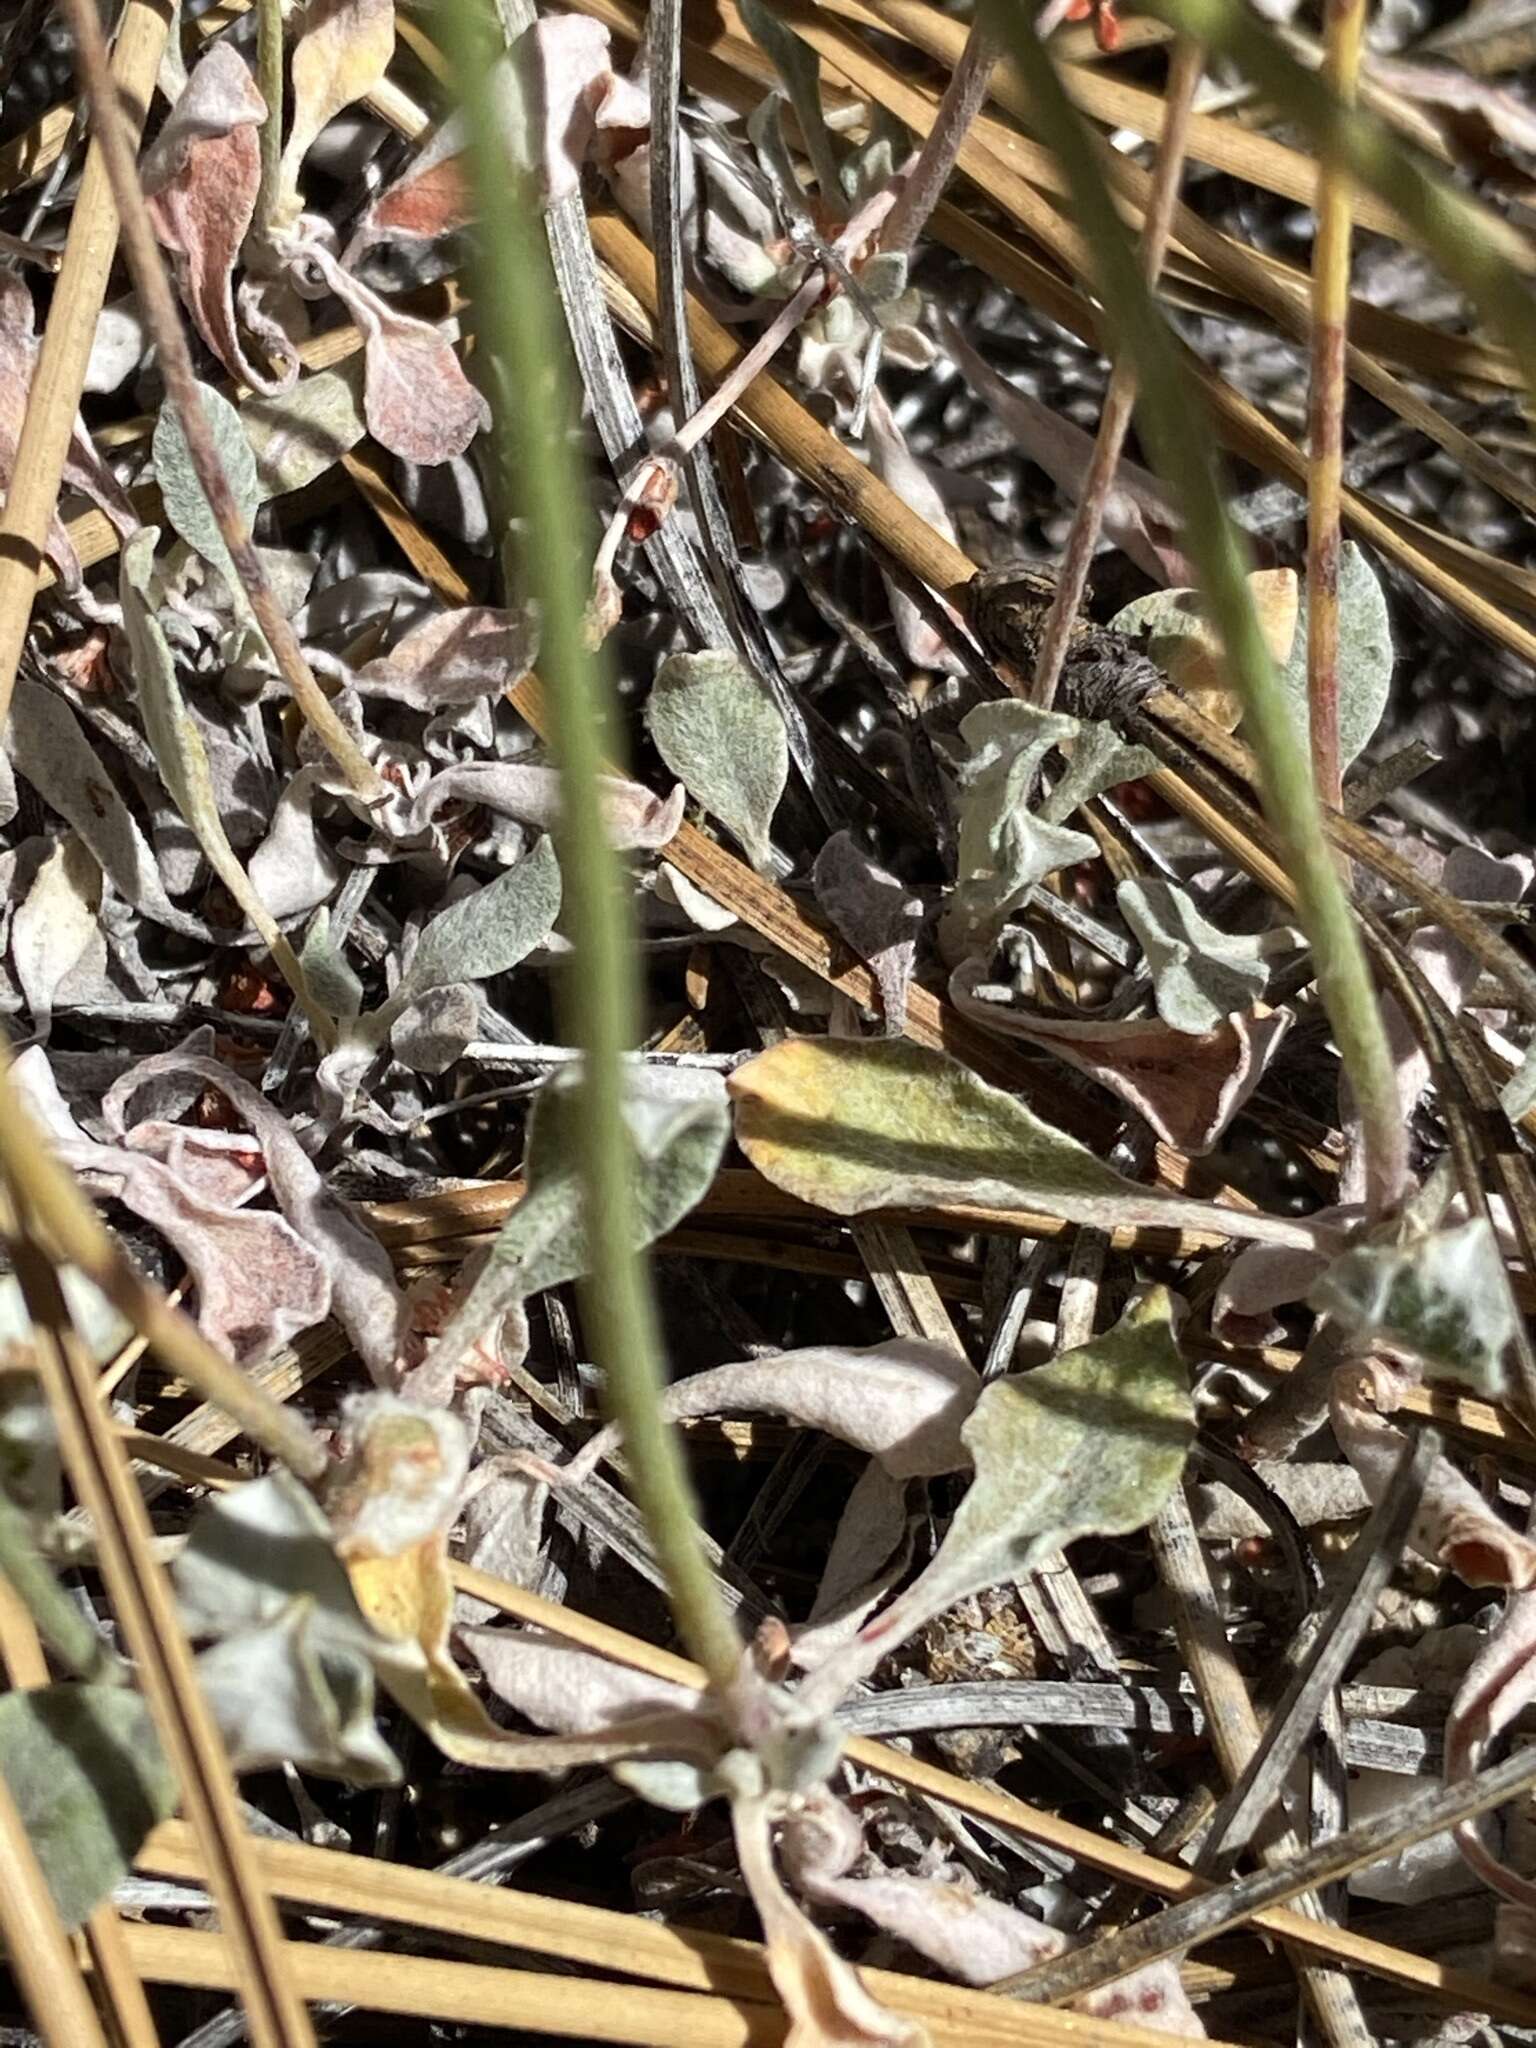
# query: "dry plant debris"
{"points": [[766, 933]]}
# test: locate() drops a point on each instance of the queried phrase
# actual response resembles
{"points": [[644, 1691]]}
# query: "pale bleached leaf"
{"points": [[455, 657], [84, 1766], [1366, 654], [720, 733], [870, 1550], [559, 91], [530, 792], [679, 1121], [1498, 1686], [903, 1401], [1187, 1088], [1441, 1297], [279, 1697], [401, 1476], [342, 52], [1006, 848], [52, 928], [1199, 975], [855, 1125], [186, 505], [878, 916], [294, 870]]}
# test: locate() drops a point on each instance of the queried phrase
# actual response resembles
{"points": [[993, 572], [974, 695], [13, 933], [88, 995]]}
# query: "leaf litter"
{"points": [[998, 1181]]}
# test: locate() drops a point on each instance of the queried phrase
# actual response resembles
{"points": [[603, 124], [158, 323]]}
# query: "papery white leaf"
{"points": [[343, 50], [1499, 1685], [720, 733], [401, 1476], [1442, 1297], [1200, 975], [635, 818], [559, 92], [294, 870], [455, 657], [894, 464]]}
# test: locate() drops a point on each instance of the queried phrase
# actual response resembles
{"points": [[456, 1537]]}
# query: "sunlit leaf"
{"points": [[854, 1125], [1187, 647], [302, 433], [86, 1771], [719, 732], [279, 1698], [53, 927], [342, 52], [1442, 1297]]}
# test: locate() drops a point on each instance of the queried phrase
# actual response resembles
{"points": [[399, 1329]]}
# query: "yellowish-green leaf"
{"points": [[852, 1125], [343, 51]]}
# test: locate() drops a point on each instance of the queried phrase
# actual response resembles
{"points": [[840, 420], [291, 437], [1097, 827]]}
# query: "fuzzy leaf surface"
{"points": [[720, 734]]}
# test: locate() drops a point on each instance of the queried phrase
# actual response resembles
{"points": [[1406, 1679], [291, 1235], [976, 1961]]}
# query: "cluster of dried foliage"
{"points": [[1023, 1233]]}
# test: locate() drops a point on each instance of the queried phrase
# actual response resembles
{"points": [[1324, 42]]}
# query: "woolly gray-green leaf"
{"points": [[721, 735], [186, 507], [1365, 655], [858, 1124], [490, 931], [1200, 975], [86, 1772], [800, 68], [1091, 1444], [300, 434], [1005, 848], [1442, 1297], [279, 1697], [328, 971], [679, 1121]]}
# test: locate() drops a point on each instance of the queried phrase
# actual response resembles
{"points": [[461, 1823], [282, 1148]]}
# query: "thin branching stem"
{"points": [[1182, 442], [1120, 399], [175, 358], [964, 97], [1344, 34], [519, 321]]}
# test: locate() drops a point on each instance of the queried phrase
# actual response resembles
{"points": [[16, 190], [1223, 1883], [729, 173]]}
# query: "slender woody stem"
{"points": [[1120, 399], [269, 80], [535, 431], [1182, 443], [964, 97], [1344, 33]]}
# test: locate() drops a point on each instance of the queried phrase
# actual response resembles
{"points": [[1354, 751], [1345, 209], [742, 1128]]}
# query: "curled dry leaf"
{"points": [[884, 1124], [454, 658], [1186, 646], [1499, 1685], [1454, 1526], [636, 820], [720, 733], [56, 924], [1188, 1088], [824, 1997], [876, 914], [431, 197], [201, 179], [561, 93], [894, 464], [902, 1401], [363, 1290], [971, 1937]]}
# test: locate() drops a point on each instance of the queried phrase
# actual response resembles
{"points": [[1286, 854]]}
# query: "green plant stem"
{"points": [[1477, 250], [59, 1622], [518, 320], [269, 82], [1181, 441]]}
